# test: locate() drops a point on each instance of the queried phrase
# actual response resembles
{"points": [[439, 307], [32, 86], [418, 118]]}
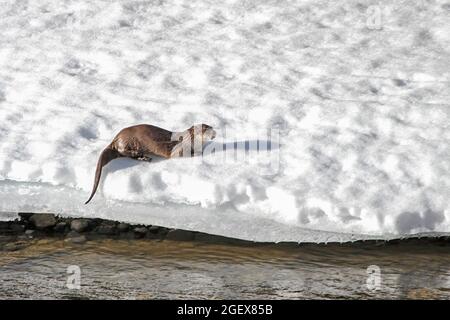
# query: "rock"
{"points": [[29, 234], [150, 235], [75, 237], [123, 227], [60, 227], [4, 225], [78, 240], [79, 225], [154, 229], [180, 235], [96, 222], [140, 232], [129, 235], [14, 246], [107, 229], [162, 232], [25, 216], [15, 227], [72, 234], [43, 220]]}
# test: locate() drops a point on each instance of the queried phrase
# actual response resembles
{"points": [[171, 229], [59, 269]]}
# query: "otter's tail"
{"points": [[107, 155]]}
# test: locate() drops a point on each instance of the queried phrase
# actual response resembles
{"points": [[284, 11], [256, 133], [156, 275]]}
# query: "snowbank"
{"points": [[350, 101]]}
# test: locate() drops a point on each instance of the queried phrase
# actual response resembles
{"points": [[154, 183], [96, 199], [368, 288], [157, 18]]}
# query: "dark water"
{"points": [[143, 269]]}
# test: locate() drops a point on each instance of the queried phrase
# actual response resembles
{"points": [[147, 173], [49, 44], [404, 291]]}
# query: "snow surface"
{"points": [[351, 99]]}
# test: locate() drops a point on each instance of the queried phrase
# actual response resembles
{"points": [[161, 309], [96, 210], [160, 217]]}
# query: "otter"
{"points": [[143, 141]]}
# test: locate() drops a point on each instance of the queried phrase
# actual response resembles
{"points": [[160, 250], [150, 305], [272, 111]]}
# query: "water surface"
{"points": [[147, 269]]}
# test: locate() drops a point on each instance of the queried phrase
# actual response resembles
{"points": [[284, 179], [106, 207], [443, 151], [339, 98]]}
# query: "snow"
{"points": [[332, 118]]}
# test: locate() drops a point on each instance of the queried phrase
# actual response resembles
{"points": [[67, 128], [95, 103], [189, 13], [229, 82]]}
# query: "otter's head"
{"points": [[203, 131]]}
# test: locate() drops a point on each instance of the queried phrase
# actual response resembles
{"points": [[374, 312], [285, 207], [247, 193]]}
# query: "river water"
{"points": [[153, 269]]}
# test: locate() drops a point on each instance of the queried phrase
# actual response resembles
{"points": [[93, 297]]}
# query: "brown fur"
{"points": [[143, 141]]}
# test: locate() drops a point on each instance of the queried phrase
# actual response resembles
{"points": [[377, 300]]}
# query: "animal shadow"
{"points": [[244, 145], [124, 163], [209, 147]]}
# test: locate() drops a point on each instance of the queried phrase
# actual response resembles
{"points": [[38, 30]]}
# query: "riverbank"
{"points": [[78, 231], [118, 260], [47, 225]]}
